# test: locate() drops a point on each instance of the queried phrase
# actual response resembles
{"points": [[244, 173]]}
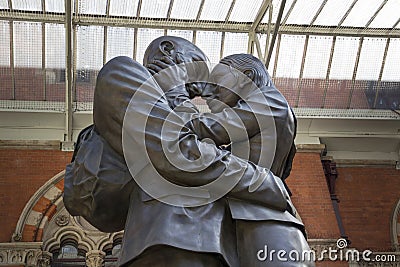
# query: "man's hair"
{"points": [[190, 49], [243, 62]]}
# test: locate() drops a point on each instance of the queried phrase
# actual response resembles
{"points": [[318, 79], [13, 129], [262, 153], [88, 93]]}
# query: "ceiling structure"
{"points": [[334, 60]]}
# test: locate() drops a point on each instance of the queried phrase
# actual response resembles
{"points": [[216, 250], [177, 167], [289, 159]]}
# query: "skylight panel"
{"points": [[55, 6], [92, 7], [5, 43], [55, 46], [391, 70], [144, 38], [245, 11], [123, 7], [361, 13], [90, 47], [210, 43], [290, 56], [185, 9], [27, 44], [154, 8], [276, 4], [215, 11], [188, 35], [371, 58], [119, 42], [304, 11], [235, 43], [31, 5], [388, 16], [333, 12], [4, 4], [344, 58], [317, 57]]}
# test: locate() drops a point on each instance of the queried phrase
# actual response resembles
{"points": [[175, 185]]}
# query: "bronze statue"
{"points": [[117, 160]]}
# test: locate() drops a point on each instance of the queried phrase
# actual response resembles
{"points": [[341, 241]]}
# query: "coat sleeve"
{"points": [[97, 184]]}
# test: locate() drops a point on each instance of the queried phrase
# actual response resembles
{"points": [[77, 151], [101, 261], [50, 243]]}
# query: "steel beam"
{"points": [[276, 28], [69, 71], [381, 72], [202, 25]]}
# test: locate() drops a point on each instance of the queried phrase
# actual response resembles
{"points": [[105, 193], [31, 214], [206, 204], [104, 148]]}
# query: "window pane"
{"points": [[276, 4], [210, 43], [27, 44], [291, 50], [6, 90], [344, 58], [90, 47], [361, 13], [92, 7], [28, 61], [333, 12], [55, 46], [188, 35], [119, 42], [32, 5], [123, 7], [55, 62], [184, 9], [371, 57], [145, 36], [215, 11], [317, 57], [154, 8], [55, 5], [89, 61], [304, 11], [245, 12], [4, 4], [235, 43], [391, 70], [388, 16]]}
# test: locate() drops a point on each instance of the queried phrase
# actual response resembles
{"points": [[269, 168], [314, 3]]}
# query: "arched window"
{"points": [[68, 255]]}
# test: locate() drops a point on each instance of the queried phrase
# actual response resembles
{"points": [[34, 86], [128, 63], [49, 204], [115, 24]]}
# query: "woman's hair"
{"points": [[243, 62]]}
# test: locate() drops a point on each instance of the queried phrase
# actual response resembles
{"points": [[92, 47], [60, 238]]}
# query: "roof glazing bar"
{"points": [[318, 12], [381, 72], [347, 12], [353, 79], [376, 13], [230, 10], [288, 13]]}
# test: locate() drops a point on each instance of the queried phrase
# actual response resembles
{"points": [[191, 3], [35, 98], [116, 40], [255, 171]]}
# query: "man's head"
{"points": [[181, 51], [233, 78]]}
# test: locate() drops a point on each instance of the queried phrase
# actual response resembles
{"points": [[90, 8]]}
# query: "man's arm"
{"points": [[154, 134]]}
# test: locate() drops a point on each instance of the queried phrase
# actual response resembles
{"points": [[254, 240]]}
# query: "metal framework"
{"points": [[273, 27]]}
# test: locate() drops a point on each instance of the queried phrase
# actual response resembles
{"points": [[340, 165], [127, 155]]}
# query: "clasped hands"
{"points": [[181, 76]]}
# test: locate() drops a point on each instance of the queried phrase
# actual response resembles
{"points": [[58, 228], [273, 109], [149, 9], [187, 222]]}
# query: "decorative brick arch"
{"points": [[39, 210], [395, 227], [46, 226]]}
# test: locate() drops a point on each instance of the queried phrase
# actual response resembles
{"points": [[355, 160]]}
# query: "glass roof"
{"points": [[343, 45]]}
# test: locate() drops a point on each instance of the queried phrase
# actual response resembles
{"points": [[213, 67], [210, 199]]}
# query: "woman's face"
{"points": [[223, 84]]}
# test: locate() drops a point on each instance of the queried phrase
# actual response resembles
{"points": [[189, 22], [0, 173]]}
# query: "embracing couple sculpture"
{"points": [[189, 188]]}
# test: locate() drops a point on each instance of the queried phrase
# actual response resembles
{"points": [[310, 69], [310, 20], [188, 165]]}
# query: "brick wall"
{"points": [[313, 93], [22, 173], [367, 199], [311, 196], [367, 195]]}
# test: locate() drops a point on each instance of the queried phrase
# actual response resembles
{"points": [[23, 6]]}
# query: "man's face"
{"points": [[223, 84]]}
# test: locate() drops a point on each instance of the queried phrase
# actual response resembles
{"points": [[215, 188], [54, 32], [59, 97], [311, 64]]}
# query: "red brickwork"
{"points": [[311, 196], [22, 173], [367, 196], [367, 199]]}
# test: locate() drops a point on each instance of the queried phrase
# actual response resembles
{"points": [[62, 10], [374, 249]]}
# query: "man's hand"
{"points": [[167, 73]]}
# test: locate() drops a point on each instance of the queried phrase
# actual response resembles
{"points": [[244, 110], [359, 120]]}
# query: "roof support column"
{"points": [[68, 143]]}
